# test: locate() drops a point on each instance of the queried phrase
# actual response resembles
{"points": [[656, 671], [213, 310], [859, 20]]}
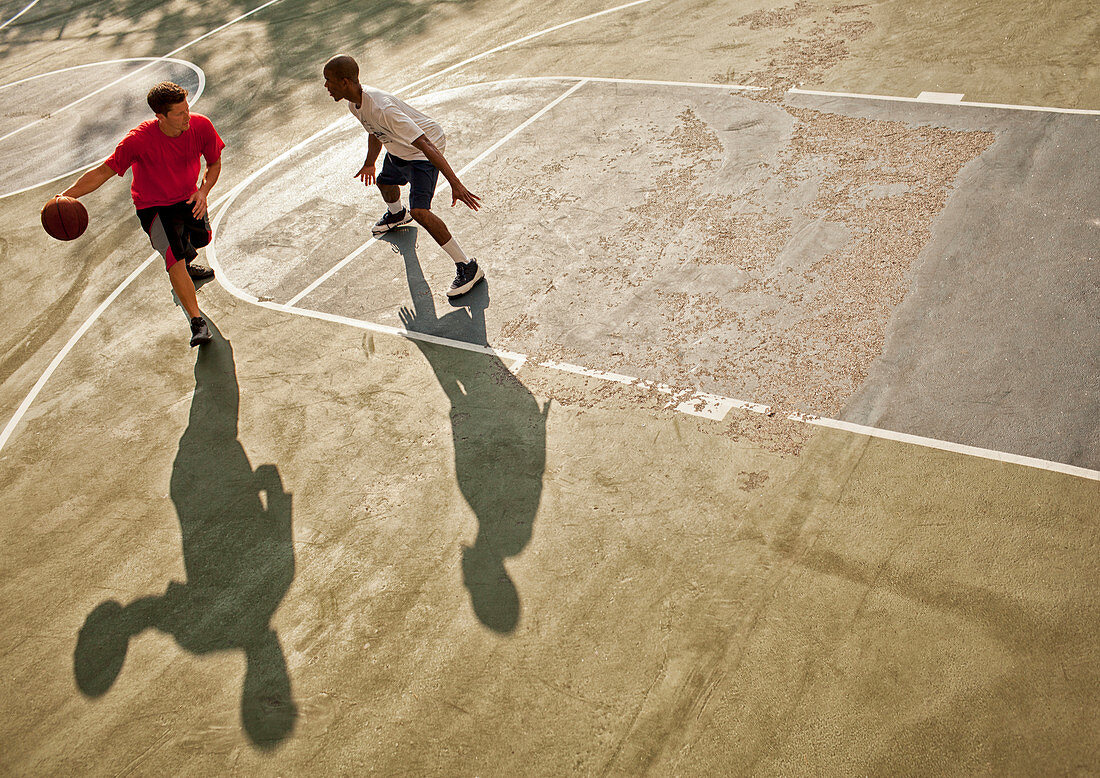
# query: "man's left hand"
{"points": [[198, 201]]}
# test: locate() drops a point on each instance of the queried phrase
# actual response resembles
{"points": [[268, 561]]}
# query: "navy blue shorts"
{"points": [[420, 173]]}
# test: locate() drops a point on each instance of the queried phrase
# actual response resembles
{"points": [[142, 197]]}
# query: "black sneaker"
{"points": [[391, 221], [200, 333], [466, 275], [198, 272]]}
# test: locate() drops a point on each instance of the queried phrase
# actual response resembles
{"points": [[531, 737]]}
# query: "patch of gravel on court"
{"points": [[770, 18], [819, 43], [813, 351], [763, 265]]}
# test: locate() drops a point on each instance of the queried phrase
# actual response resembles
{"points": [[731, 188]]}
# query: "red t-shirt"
{"points": [[166, 170]]}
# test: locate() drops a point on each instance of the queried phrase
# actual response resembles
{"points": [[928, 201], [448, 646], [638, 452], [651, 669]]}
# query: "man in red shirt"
{"points": [[164, 154]]}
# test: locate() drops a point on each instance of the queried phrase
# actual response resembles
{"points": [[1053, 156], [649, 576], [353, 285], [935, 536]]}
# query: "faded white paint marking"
{"points": [[951, 98], [713, 406]]}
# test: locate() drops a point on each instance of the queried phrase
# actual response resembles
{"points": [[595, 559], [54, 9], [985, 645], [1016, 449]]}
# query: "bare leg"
{"points": [[185, 289], [433, 224], [391, 193]]}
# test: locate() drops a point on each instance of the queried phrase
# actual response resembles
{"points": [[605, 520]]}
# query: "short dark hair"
{"points": [[164, 95], [343, 66]]}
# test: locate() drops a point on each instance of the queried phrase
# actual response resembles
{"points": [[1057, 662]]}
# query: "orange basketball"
{"points": [[64, 218]]}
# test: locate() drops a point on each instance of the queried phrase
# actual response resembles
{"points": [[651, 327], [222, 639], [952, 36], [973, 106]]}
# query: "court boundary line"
{"points": [[925, 101], [198, 95], [690, 402]]}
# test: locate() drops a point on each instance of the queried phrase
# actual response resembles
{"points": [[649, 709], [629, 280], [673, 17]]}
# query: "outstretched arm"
{"points": [[435, 156], [90, 181]]}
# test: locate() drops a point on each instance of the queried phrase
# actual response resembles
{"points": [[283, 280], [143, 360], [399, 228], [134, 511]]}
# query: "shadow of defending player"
{"points": [[238, 555], [499, 434]]}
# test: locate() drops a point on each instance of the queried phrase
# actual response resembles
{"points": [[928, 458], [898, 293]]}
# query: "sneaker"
{"points": [[467, 274], [200, 333], [199, 271], [391, 221]]}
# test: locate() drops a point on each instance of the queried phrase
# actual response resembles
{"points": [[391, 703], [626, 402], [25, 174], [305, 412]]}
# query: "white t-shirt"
{"points": [[396, 123]]}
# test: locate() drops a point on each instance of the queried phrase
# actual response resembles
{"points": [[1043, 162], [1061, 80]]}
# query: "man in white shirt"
{"points": [[414, 155]]}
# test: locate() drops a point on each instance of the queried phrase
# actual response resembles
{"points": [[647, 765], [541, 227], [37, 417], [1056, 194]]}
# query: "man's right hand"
{"points": [[366, 174]]}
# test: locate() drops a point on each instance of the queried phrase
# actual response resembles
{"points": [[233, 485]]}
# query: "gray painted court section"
{"points": [[996, 345]]}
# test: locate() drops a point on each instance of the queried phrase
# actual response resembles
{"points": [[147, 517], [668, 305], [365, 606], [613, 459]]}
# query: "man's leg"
{"points": [[199, 235], [389, 182], [423, 177], [168, 244], [184, 288], [391, 193], [467, 273], [433, 224]]}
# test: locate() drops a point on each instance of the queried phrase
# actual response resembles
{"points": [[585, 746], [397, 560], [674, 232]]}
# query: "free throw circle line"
{"points": [[28, 7]]}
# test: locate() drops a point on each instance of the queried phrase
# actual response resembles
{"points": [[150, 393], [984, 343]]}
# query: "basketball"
{"points": [[64, 218]]}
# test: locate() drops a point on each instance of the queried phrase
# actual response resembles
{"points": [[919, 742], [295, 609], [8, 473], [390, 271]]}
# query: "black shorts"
{"points": [[175, 232], [420, 173]]}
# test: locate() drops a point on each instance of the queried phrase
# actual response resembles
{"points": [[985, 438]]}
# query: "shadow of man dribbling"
{"points": [[238, 555], [499, 434]]}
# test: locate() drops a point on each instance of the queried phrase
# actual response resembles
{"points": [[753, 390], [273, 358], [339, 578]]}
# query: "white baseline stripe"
{"points": [[29, 7], [944, 445], [335, 269], [860, 96]]}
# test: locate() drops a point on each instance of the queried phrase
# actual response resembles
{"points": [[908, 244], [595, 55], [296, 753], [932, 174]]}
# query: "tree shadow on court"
{"points": [[297, 29], [499, 434], [237, 553]]}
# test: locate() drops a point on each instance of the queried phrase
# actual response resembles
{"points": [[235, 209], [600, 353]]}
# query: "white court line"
{"points": [[470, 165], [23, 406], [945, 445], [595, 79], [192, 65], [194, 99], [30, 5], [133, 73], [925, 101]]}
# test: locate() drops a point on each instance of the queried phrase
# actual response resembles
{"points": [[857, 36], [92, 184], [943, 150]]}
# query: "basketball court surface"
{"points": [[770, 445]]}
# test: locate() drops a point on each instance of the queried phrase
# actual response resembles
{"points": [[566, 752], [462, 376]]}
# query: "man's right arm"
{"points": [[90, 181]]}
